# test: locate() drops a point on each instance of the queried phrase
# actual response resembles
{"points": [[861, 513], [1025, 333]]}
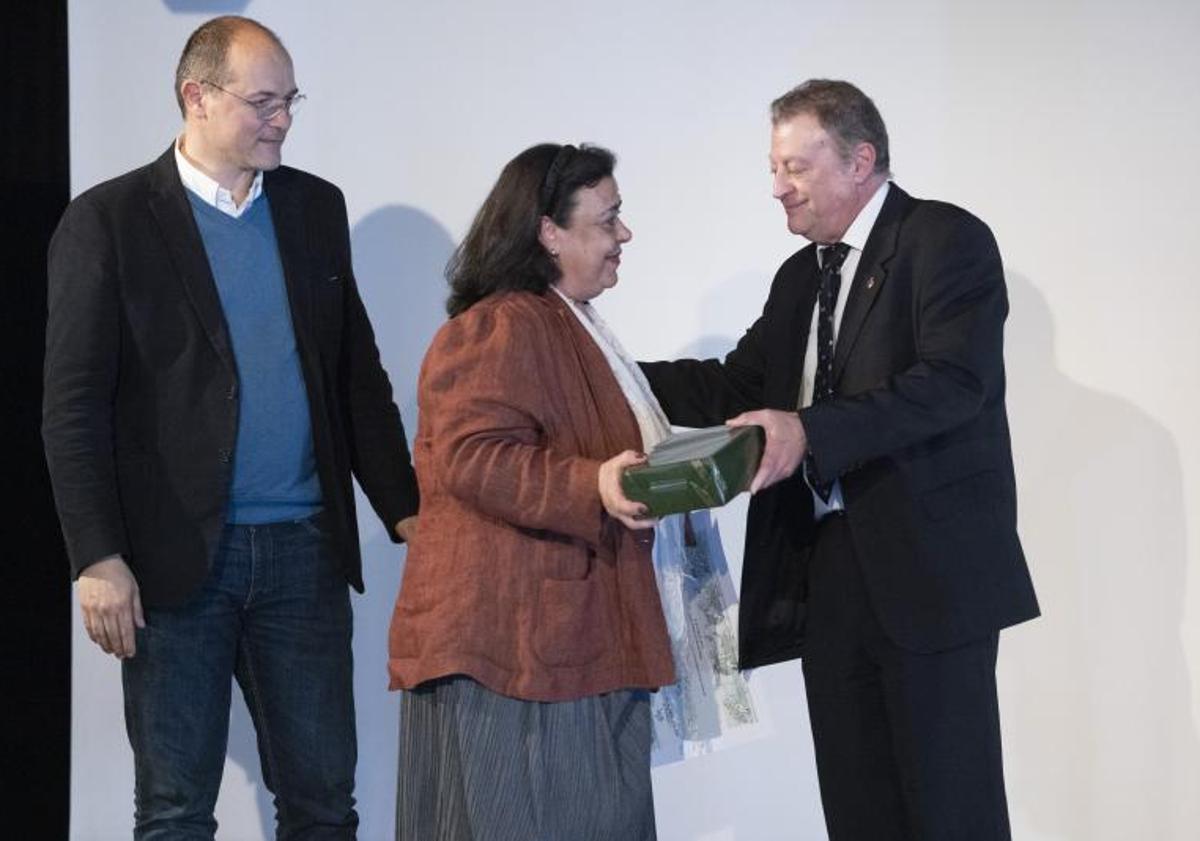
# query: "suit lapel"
{"points": [[870, 276], [287, 215], [170, 207]]}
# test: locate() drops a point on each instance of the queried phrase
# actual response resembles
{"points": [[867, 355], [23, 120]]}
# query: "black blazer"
{"points": [[916, 432], [141, 389]]}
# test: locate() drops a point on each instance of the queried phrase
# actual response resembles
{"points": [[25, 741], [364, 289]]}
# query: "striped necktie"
{"points": [[832, 257]]}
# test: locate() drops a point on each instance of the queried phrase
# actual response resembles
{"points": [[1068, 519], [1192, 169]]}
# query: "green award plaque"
{"points": [[700, 468]]}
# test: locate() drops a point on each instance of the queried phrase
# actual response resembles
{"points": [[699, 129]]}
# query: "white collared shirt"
{"points": [[209, 191], [855, 237]]}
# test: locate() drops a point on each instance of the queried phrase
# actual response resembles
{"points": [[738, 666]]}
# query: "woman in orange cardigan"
{"points": [[528, 629]]}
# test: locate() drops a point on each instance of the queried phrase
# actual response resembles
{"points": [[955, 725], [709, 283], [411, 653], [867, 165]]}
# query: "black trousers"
{"points": [[907, 745]]}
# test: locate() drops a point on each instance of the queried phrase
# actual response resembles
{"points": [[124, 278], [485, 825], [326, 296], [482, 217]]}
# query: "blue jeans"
{"points": [[274, 613]]}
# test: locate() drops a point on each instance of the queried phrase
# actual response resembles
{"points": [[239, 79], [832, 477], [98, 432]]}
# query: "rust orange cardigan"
{"points": [[516, 576]]}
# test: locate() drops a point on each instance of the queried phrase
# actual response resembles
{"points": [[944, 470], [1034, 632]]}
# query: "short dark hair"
{"points": [[205, 55], [502, 251], [843, 110]]}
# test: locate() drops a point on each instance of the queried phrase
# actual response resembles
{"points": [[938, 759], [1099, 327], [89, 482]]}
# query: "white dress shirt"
{"points": [[855, 237], [209, 191]]}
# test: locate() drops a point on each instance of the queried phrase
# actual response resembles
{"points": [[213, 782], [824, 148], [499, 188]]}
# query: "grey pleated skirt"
{"points": [[477, 766]]}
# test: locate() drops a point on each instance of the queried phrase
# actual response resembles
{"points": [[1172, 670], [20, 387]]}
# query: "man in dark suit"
{"points": [[881, 543], [212, 383]]}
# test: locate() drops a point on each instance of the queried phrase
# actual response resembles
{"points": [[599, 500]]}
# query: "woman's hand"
{"points": [[632, 514]]}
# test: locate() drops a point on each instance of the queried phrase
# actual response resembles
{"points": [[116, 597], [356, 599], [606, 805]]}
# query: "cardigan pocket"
{"points": [[571, 623]]}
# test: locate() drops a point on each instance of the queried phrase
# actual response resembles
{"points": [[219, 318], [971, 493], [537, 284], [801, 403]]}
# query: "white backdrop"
{"points": [[1071, 128]]}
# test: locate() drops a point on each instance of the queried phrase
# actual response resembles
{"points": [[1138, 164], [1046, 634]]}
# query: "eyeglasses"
{"points": [[266, 109]]}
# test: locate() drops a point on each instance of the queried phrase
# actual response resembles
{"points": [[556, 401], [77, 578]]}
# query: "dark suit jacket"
{"points": [[916, 432], [141, 389]]}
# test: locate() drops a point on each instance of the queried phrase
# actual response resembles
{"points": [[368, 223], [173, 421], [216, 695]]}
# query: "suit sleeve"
{"points": [[80, 383], [379, 454], [707, 392], [485, 387], [959, 307]]}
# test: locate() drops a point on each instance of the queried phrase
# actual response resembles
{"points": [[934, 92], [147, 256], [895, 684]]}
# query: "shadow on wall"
{"points": [[212, 7], [399, 256], [1098, 730]]}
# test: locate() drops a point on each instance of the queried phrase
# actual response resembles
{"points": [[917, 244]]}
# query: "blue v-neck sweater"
{"points": [[274, 471]]}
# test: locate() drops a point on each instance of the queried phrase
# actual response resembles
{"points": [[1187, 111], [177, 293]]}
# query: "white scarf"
{"points": [[710, 697]]}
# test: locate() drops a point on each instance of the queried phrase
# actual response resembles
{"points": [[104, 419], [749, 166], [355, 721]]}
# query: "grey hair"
{"points": [[843, 110]]}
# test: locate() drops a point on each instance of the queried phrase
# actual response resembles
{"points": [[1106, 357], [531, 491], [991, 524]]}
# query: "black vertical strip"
{"points": [[34, 190]]}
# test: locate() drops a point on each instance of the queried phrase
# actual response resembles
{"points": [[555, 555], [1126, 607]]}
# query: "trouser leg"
{"points": [[907, 745], [177, 692], [295, 669]]}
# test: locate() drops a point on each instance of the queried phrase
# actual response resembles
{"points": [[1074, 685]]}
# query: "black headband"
{"points": [[553, 174]]}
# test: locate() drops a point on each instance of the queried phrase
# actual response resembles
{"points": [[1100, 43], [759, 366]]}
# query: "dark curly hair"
{"points": [[501, 251]]}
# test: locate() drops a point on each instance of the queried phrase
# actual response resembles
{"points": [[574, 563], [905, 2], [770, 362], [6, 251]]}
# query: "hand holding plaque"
{"points": [[701, 468]]}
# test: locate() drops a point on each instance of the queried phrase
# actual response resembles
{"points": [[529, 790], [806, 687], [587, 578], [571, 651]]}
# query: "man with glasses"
{"points": [[212, 383]]}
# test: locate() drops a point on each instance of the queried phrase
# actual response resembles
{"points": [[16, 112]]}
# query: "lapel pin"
{"points": [[871, 282]]}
